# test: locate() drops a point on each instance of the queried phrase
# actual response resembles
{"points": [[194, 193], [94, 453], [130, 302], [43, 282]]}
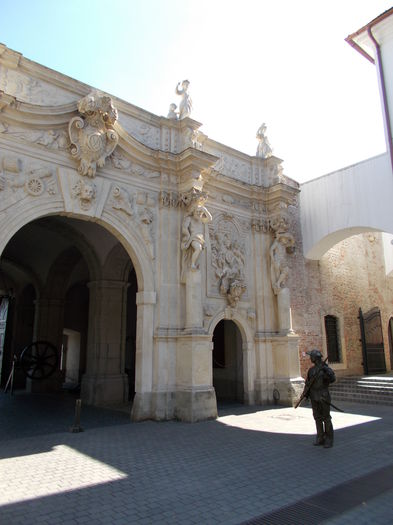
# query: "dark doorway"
{"points": [[372, 341], [228, 362]]}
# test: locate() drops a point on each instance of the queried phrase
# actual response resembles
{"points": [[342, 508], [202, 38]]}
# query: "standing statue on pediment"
{"points": [[172, 114], [185, 105], [264, 149]]}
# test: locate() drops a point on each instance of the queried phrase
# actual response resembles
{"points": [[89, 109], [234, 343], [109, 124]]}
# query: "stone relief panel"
{"points": [[33, 91], [92, 135], [235, 168], [144, 133], [53, 139], [82, 195], [228, 259], [21, 178], [121, 162], [135, 207]]}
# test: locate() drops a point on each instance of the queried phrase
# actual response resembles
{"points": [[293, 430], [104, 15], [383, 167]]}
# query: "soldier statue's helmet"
{"points": [[314, 354]]}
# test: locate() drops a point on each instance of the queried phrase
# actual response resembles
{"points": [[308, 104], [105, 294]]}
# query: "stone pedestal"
{"points": [[195, 395], [278, 369], [287, 379]]}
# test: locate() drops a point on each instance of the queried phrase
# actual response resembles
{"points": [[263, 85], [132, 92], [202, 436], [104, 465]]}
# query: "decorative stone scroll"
{"points": [[228, 260], [92, 135]]}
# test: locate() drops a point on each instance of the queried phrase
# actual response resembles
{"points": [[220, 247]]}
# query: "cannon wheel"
{"points": [[39, 360]]}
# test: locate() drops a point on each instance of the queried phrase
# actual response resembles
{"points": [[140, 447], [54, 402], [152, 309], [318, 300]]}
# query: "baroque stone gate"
{"points": [[161, 231]]}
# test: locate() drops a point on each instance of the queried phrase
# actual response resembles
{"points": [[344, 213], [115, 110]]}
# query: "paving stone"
{"points": [[219, 472]]}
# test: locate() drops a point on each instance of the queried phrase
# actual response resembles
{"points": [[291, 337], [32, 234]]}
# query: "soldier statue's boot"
{"points": [[328, 434], [320, 439]]}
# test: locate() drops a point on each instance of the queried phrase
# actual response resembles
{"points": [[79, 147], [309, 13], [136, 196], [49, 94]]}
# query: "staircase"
{"points": [[373, 390]]}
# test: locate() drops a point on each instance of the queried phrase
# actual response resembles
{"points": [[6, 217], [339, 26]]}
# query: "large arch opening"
{"points": [[228, 379], [73, 285]]}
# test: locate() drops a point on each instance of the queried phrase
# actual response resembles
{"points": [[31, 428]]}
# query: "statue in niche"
{"points": [[279, 270], [185, 106], [193, 235], [172, 112], [264, 149]]}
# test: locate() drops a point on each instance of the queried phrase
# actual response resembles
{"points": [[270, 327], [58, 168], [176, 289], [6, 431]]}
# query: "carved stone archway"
{"points": [[18, 215], [247, 349]]}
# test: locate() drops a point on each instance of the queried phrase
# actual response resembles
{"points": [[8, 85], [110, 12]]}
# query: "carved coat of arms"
{"points": [[92, 135]]}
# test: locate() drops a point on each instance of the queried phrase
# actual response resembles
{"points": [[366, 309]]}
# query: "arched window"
{"points": [[332, 330]]}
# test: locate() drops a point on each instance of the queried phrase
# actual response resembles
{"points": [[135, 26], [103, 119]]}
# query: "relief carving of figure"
{"points": [[264, 149], [146, 219], [228, 259], [92, 136], [279, 269], [185, 106], [193, 234]]}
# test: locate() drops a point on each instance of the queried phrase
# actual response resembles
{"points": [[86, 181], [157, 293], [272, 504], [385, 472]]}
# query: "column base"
{"points": [[196, 405], [159, 406], [286, 392], [105, 390]]}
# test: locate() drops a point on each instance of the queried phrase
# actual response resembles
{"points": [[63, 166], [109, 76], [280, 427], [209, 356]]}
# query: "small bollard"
{"points": [[76, 426]]}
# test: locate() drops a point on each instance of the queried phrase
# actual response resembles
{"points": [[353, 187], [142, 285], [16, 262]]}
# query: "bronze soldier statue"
{"points": [[316, 388]]}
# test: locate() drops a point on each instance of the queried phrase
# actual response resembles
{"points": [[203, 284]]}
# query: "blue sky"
{"points": [[283, 62]]}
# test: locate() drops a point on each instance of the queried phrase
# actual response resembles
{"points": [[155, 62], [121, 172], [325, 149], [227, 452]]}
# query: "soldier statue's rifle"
{"points": [[307, 388], [308, 385]]}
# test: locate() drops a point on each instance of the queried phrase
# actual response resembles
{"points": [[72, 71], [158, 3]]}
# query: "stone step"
{"points": [[364, 389]]}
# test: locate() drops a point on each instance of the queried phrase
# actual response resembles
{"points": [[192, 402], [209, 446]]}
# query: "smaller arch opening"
{"points": [[228, 363]]}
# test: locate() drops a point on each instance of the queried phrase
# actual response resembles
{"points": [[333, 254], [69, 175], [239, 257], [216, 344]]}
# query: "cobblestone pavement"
{"points": [[254, 464]]}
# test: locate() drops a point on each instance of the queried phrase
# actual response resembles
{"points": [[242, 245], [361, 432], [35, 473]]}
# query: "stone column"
{"points": [[194, 311], [142, 405], [284, 310], [105, 382], [48, 326], [249, 373]]}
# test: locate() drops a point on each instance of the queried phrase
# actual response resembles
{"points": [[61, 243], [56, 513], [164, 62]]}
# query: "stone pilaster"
{"points": [[142, 405]]}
